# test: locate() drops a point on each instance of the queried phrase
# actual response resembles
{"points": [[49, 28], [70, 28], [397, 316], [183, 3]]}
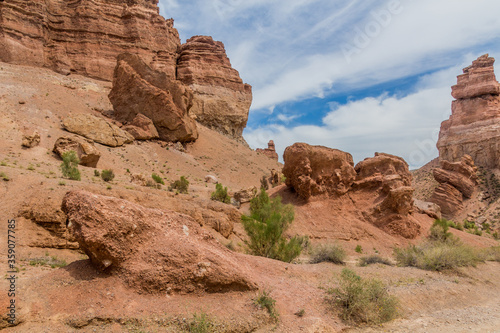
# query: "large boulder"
{"points": [[85, 149], [457, 182], [142, 128], [221, 99], [97, 129], [30, 141], [153, 250], [473, 127], [317, 170], [139, 89]]}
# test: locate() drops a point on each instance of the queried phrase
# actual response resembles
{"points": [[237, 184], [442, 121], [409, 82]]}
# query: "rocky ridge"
{"points": [[474, 125]]}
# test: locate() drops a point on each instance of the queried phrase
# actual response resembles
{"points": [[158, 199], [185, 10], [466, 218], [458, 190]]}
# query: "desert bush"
{"points": [[265, 301], [469, 225], [491, 254], [439, 231], [374, 259], [201, 323], [4, 176], [97, 173], [495, 234], [362, 300], [69, 166], [220, 194], [328, 253], [358, 249], [107, 175], [157, 179], [265, 226], [181, 185], [437, 256]]}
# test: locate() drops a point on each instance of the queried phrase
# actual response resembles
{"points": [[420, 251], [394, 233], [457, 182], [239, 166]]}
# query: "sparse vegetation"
{"points": [[265, 301], [157, 179], [363, 301], [265, 226], [53, 262], [62, 183], [201, 323], [374, 259], [358, 249], [220, 194], [4, 176], [328, 253], [69, 166], [181, 185], [107, 175], [97, 173]]}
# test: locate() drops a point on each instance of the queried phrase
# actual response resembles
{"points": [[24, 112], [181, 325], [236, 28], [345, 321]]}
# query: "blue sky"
{"points": [[361, 76]]}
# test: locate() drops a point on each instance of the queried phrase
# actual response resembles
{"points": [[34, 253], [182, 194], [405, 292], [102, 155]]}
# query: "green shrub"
{"points": [[220, 194], [107, 175], [69, 166], [491, 254], [4, 176], [469, 225], [328, 253], [157, 179], [265, 301], [358, 249], [437, 256], [181, 185], [201, 323], [495, 234], [363, 301], [374, 259], [439, 231], [265, 226], [97, 173]]}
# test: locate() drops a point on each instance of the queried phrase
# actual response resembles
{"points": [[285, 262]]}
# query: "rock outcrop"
{"points": [[221, 99], [378, 187], [154, 251], [270, 151], [97, 129], [474, 125], [139, 89], [142, 128], [457, 182], [318, 170], [246, 195], [85, 149], [30, 141], [85, 37]]}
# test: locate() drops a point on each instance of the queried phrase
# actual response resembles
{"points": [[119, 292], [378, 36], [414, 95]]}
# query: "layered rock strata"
{"points": [[474, 125]]}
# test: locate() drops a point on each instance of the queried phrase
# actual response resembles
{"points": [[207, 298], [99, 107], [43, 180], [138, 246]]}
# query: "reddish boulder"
{"points": [[475, 119], [270, 151], [30, 141], [221, 99], [84, 148], [142, 128], [153, 250], [139, 89], [317, 170]]}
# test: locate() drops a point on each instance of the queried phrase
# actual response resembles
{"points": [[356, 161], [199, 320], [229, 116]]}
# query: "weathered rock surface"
{"points": [[378, 188], [139, 89], [474, 125], [221, 99], [428, 208], [457, 182], [270, 151], [52, 232], [276, 177], [142, 128], [85, 37], [245, 195], [84, 148], [30, 141], [97, 129], [318, 170], [152, 250]]}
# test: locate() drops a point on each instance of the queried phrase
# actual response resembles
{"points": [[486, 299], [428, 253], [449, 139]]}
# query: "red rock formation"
{"points": [[270, 151], [221, 99], [85, 149], [474, 125], [457, 182], [379, 188], [86, 36], [142, 128], [153, 250], [318, 170], [139, 89]]}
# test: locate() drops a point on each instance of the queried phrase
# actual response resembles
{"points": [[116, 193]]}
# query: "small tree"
{"points": [[182, 185], [107, 175], [220, 194], [265, 226], [69, 166]]}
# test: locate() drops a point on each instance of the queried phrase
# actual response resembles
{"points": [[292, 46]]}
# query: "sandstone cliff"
{"points": [[474, 125], [221, 99]]}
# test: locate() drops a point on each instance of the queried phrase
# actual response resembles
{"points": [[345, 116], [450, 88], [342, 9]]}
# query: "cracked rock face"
{"points": [[474, 125], [154, 251]]}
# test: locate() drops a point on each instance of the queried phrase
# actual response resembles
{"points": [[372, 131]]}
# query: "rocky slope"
{"points": [[474, 125]]}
